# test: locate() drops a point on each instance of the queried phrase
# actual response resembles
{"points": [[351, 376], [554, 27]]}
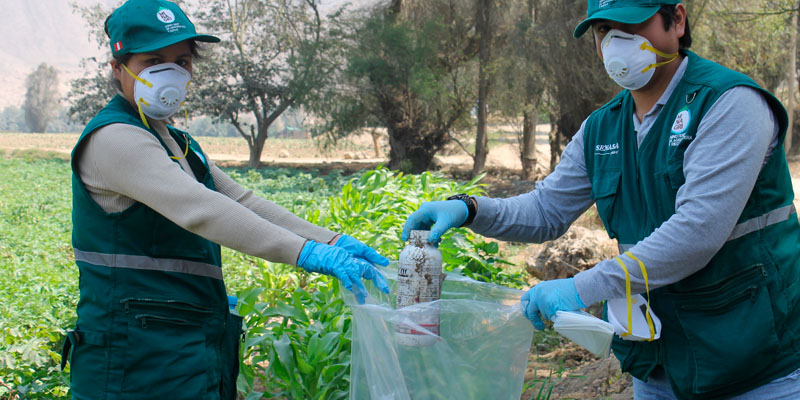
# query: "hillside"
{"points": [[37, 31]]}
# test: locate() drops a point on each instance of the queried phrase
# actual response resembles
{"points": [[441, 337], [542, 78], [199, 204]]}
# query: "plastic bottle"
{"points": [[419, 280]]}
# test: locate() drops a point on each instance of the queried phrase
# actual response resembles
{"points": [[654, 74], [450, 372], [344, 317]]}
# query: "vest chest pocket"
{"points": [[167, 355], [170, 240], [729, 328], [605, 184]]}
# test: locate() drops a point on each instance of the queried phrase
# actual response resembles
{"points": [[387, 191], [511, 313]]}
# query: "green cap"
{"points": [[140, 26], [624, 11]]}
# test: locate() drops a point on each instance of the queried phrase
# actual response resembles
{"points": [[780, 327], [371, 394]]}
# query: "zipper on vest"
{"points": [[174, 304], [724, 304], [143, 318], [721, 304]]}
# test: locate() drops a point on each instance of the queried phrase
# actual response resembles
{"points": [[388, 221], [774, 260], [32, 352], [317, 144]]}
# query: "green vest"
{"points": [[153, 319], [733, 325]]}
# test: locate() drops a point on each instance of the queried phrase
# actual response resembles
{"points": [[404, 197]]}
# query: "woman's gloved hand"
{"points": [[336, 261], [358, 249], [548, 297], [438, 216]]}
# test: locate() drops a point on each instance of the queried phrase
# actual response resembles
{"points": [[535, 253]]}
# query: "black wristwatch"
{"points": [[470, 202]]}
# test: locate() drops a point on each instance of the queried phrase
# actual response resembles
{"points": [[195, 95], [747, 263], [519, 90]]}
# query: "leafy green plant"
{"points": [[39, 284], [298, 339], [292, 320], [545, 386], [299, 330], [472, 257]]}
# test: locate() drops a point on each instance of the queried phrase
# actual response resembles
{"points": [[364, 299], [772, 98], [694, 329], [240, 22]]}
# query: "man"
{"points": [[687, 169]]}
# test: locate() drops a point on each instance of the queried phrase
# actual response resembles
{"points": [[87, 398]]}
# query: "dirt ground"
{"points": [[569, 371]]}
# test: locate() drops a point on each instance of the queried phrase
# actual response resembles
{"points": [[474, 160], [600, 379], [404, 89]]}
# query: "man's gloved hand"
{"points": [[443, 215], [358, 249], [330, 260], [548, 297]]}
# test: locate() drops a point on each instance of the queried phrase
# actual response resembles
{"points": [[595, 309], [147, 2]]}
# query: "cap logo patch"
{"points": [[165, 15], [118, 46], [604, 3]]}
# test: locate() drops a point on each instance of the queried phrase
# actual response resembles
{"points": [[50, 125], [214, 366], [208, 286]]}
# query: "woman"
{"points": [[150, 211]]}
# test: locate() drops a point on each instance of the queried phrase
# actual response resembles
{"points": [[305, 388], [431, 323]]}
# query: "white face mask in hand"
{"points": [[160, 90], [630, 60]]}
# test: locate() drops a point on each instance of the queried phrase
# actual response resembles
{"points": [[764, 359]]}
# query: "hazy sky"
{"points": [[36, 31]]}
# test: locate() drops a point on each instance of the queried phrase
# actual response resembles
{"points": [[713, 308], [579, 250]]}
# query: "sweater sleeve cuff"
{"points": [[485, 214], [586, 282]]}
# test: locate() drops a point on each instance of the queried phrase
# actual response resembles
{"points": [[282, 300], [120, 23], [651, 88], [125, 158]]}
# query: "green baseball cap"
{"points": [[139, 26], [625, 11]]}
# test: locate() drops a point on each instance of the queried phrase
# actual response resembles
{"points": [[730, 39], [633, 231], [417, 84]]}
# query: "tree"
{"points": [[748, 36], [520, 82], [41, 97], [409, 68], [91, 92], [273, 56], [574, 75], [12, 119], [484, 26]]}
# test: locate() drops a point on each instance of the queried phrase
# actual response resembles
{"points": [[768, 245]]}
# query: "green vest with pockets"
{"points": [[153, 319], [733, 325]]}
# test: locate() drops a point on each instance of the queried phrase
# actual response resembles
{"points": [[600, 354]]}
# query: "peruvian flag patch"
{"points": [[118, 46]]}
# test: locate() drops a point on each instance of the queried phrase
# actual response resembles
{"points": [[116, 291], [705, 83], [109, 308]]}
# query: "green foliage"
{"points": [[299, 330], [256, 74], [408, 76], [373, 207], [291, 316], [90, 93], [298, 337], [40, 283], [751, 36], [542, 389]]}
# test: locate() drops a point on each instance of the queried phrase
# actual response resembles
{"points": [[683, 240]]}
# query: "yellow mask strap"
{"points": [[647, 288], [141, 100], [141, 113], [671, 57], [186, 151], [629, 300], [143, 81], [627, 296]]}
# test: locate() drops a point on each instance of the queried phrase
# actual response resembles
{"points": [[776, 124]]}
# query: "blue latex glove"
{"points": [[358, 249], [548, 297], [443, 215], [335, 261]]}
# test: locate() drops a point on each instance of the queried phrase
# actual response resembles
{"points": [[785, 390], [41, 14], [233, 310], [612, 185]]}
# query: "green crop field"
{"points": [[298, 340]]}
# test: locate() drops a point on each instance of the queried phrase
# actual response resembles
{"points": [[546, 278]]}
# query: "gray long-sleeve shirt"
{"points": [[121, 164], [733, 141]]}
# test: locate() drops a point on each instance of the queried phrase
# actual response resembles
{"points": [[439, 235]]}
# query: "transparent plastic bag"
{"points": [[481, 352]]}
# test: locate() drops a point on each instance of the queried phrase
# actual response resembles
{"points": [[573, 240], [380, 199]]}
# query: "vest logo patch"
{"points": [[606, 149], [679, 127], [682, 120]]}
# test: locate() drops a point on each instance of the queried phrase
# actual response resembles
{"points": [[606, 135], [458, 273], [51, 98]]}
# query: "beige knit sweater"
{"points": [[122, 164]]}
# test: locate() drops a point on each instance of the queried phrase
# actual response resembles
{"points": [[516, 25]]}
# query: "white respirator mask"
{"points": [[160, 90], [630, 60]]}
